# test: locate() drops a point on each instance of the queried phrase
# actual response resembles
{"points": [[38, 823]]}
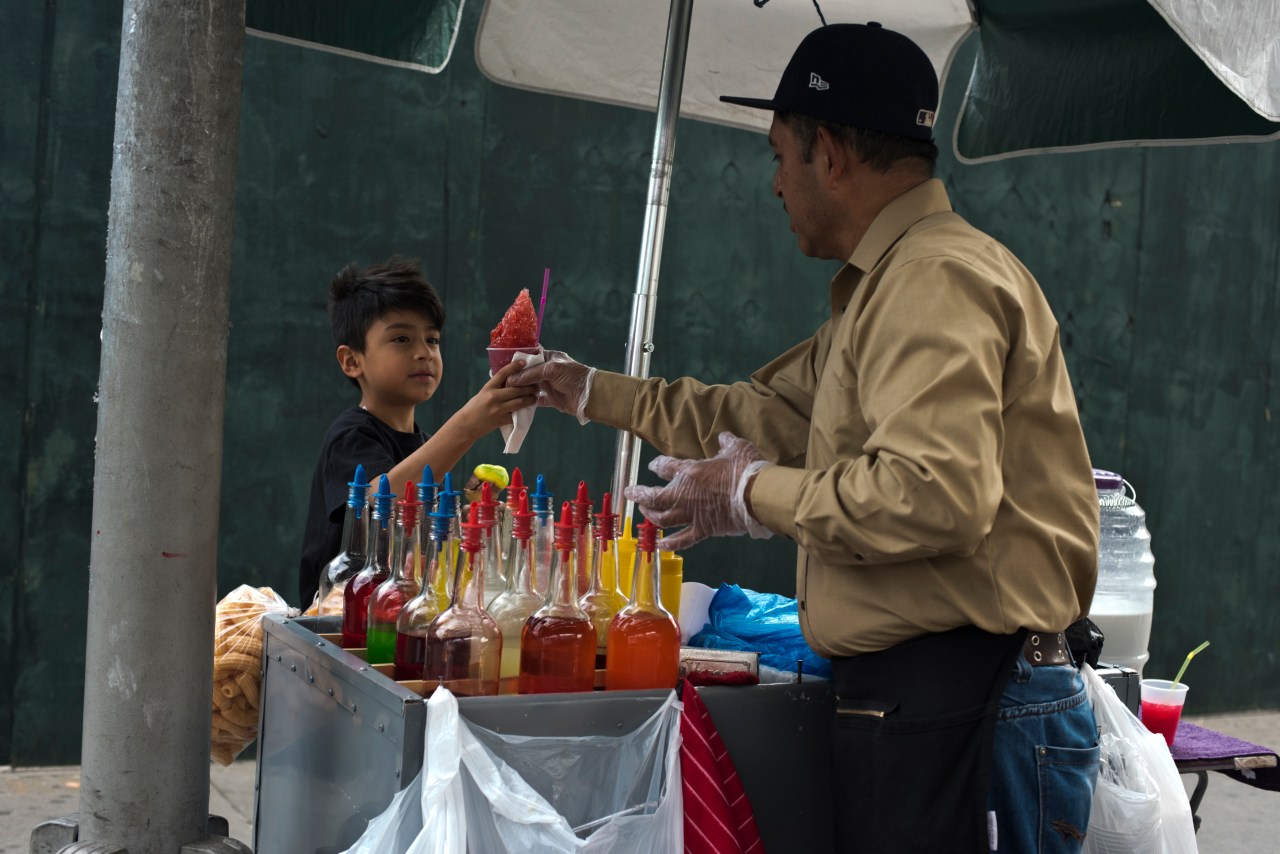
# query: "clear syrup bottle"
{"points": [[464, 646], [602, 599], [391, 595], [377, 569], [514, 606], [353, 552]]}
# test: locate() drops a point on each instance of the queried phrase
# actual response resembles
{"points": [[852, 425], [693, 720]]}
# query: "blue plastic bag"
{"points": [[767, 623]]}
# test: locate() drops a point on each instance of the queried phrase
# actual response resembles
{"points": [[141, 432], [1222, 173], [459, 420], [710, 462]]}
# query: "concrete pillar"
{"points": [[152, 572]]}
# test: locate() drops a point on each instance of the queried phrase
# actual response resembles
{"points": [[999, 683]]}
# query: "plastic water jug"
{"points": [[1122, 603]]}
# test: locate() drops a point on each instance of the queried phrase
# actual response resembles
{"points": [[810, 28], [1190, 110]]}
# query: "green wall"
{"points": [[1161, 264]]}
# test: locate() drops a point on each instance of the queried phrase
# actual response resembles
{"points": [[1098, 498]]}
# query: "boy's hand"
{"points": [[494, 402], [560, 382]]}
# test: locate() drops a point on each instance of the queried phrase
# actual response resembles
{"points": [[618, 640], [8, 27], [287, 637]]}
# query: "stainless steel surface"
{"points": [[335, 743], [640, 340]]}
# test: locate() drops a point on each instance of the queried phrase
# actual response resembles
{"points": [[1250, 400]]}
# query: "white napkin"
{"points": [[522, 419]]}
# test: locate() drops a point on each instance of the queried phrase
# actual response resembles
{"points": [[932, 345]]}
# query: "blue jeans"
{"points": [[1045, 762]]}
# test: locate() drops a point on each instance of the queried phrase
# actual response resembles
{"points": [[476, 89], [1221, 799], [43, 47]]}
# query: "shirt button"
{"points": [[801, 604], [858, 556]]}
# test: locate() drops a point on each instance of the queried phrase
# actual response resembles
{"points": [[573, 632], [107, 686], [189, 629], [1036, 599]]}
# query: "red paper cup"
{"points": [[500, 357]]}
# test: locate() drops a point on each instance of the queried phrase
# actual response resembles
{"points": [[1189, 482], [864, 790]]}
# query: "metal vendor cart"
{"points": [[339, 738]]}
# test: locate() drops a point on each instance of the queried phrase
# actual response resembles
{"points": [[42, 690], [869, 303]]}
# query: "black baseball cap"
{"points": [[860, 75]]}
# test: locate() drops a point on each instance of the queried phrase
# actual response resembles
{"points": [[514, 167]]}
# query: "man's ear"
{"points": [[349, 361], [832, 154]]}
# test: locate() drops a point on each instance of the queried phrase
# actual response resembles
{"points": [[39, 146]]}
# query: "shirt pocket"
{"points": [[839, 429]]}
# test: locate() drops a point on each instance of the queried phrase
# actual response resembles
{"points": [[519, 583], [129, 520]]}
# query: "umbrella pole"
{"points": [[640, 340]]}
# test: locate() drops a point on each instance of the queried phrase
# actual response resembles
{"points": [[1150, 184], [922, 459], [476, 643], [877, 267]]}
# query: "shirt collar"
{"points": [[890, 224]]}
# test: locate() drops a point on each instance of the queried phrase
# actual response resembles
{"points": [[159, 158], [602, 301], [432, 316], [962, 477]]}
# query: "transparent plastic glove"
{"points": [[562, 383], [706, 496]]}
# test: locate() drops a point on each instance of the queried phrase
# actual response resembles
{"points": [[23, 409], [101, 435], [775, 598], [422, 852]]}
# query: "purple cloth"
{"points": [[1196, 742]]}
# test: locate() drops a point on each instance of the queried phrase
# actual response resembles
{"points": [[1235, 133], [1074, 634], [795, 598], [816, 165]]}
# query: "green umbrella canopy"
{"points": [[1049, 75]]}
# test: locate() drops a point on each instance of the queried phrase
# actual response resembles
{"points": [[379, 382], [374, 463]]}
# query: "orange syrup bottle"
{"points": [[558, 644], [643, 647]]}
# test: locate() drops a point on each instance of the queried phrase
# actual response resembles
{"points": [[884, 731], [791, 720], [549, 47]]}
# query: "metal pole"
{"points": [[640, 340], [153, 559]]}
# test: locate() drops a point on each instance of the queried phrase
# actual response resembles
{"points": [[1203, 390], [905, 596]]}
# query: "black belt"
{"points": [[1042, 649]]}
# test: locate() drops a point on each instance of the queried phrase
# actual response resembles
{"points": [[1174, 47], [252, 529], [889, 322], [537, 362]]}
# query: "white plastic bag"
{"points": [[623, 791], [1139, 805]]}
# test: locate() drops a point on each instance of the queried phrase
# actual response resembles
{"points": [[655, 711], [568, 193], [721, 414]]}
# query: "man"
{"points": [[924, 451]]}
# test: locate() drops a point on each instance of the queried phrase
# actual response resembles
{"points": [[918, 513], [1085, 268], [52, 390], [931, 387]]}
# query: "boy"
{"points": [[386, 322]]}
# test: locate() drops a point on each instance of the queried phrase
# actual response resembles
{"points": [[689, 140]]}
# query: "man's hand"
{"points": [[706, 496], [492, 405], [562, 383]]}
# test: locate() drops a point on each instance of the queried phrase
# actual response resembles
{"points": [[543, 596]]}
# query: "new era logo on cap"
{"points": [[816, 82], [924, 118]]}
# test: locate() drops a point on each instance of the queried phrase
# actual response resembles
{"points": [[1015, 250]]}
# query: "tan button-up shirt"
{"points": [[930, 461]]}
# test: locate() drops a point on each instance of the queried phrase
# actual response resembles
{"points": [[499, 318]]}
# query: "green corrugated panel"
{"points": [[412, 33], [1056, 73]]}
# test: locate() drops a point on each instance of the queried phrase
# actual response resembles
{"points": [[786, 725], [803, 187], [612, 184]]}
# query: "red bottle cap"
{"points": [[471, 529], [488, 507], [648, 536], [606, 519], [514, 488], [582, 506], [409, 507], [522, 524], [566, 530]]}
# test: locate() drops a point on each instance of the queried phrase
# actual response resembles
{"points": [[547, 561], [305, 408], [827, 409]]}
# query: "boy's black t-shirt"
{"points": [[354, 438]]}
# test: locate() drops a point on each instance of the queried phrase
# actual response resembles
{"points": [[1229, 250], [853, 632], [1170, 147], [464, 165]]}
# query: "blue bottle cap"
{"points": [[540, 499], [358, 490], [448, 496], [382, 500], [427, 488]]}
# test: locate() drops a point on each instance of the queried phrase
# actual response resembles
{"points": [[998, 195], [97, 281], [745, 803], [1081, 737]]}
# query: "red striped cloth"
{"points": [[717, 814]]}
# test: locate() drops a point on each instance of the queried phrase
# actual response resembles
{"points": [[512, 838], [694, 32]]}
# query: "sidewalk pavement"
{"points": [[1234, 816]]}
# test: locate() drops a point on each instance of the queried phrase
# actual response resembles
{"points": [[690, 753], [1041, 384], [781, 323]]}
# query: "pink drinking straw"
{"points": [[542, 304]]}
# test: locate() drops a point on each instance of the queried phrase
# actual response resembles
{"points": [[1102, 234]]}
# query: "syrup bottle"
{"points": [[391, 595], [494, 581], [353, 553], [447, 503], [558, 644], [602, 599], [416, 616], [544, 534], [582, 521], [511, 609], [644, 639], [506, 519], [355, 599], [464, 646]]}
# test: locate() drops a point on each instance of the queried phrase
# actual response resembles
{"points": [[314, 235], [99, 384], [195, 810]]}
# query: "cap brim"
{"points": [[758, 103]]}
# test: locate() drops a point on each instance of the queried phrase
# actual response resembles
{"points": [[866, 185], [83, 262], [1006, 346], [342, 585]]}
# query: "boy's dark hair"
{"points": [[877, 149], [358, 297]]}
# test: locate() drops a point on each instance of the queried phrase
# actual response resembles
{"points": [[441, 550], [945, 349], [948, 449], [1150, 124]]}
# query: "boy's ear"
{"points": [[349, 361]]}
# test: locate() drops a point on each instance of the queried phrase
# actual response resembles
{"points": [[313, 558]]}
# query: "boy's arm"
{"points": [[489, 409]]}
